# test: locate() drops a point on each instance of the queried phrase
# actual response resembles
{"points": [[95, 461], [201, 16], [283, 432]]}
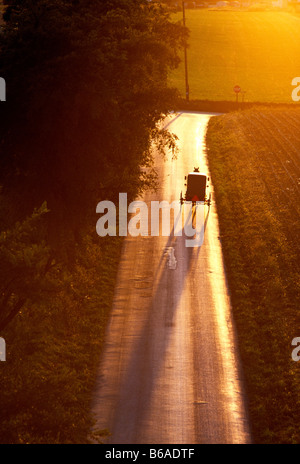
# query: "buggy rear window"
{"points": [[196, 185]]}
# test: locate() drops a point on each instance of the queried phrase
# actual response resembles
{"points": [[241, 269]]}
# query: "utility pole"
{"points": [[187, 88]]}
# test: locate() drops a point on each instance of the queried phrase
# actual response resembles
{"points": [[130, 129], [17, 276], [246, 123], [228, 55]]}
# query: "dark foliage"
{"points": [[86, 86], [86, 89]]}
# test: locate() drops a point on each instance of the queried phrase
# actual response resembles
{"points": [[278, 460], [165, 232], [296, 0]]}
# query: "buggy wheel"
{"points": [[209, 200]]}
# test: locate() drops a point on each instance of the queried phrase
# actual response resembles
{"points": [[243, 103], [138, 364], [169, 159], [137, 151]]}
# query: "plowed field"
{"points": [[255, 163]]}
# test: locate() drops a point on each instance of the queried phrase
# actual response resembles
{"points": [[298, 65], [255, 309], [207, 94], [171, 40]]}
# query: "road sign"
{"points": [[237, 88]]}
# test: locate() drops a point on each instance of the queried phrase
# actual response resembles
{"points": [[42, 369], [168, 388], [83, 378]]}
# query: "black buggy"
{"points": [[197, 188]]}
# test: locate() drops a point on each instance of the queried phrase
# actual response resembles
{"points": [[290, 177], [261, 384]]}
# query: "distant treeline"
{"points": [[227, 106]]}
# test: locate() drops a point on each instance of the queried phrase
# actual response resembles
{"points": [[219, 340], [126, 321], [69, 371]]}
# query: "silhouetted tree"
{"points": [[86, 87], [87, 84]]}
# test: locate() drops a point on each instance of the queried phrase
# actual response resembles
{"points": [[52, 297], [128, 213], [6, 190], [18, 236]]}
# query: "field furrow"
{"points": [[254, 163]]}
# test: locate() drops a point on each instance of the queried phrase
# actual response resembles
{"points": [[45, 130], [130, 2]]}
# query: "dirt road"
{"points": [[170, 372]]}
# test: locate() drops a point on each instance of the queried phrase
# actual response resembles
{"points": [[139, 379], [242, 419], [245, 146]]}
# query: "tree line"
{"points": [[87, 85]]}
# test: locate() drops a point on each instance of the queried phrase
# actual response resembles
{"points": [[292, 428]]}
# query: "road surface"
{"points": [[170, 371]]}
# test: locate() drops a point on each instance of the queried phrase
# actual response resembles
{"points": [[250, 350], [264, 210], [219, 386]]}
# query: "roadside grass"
{"points": [[257, 50], [254, 162], [53, 351]]}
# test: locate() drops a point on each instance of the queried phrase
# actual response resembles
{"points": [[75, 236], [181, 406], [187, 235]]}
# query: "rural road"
{"points": [[170, 371]]}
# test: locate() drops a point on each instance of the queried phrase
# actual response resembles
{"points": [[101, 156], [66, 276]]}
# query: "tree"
{"points": [[87, 83], [25, 260]]}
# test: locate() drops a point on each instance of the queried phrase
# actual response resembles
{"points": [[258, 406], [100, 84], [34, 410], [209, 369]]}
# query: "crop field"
{"points": [[259, 51], [254, 160]]}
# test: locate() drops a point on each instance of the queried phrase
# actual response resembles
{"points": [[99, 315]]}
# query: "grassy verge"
{"points": [[53, 351], [254, 161]]}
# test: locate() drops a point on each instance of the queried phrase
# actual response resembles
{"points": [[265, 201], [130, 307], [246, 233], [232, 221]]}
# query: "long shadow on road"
{"points": [[149, 350]]}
